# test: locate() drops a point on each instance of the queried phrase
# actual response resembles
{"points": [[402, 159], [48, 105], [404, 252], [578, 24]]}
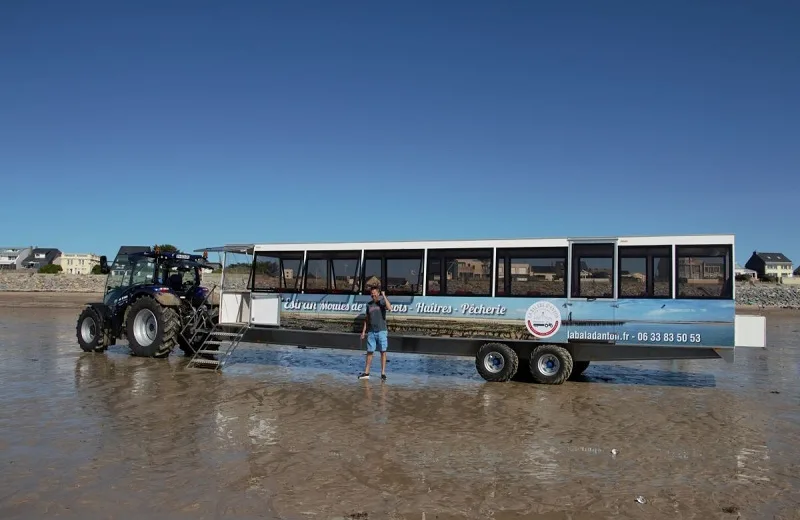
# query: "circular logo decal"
{"points": [[543, 319]]}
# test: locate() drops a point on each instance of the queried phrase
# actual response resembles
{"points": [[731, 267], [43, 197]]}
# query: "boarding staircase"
{"points": [[240, 310], [225, 336]]}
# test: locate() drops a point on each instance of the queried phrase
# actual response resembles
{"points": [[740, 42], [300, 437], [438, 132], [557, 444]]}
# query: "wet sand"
{"points": [[290, 433]]}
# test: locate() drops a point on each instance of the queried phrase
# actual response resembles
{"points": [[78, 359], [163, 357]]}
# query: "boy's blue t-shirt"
{"points": [[376, 314]]}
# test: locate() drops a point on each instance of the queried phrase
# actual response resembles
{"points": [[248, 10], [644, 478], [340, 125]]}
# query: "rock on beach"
{"points": [[768, 295], [16, 281], [762, 295]]}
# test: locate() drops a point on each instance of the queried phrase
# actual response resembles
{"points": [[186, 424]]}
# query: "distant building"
{"points": [[79, 263], [40, 257], [770, 264], [13, 257], [741, 271]]}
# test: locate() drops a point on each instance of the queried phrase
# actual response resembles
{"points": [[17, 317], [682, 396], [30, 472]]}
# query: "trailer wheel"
{"points": [[496, 362], [90, 331], [578, 368], [151, 328], [550, 364]]}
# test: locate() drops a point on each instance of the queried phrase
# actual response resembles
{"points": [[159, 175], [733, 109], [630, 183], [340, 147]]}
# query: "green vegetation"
{"points": [[50, 269]]}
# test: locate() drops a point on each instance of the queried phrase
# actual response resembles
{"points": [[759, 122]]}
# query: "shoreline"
{"points": [[59, 299]]}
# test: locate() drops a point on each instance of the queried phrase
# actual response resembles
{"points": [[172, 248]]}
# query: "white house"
{"points": [[770, 264], [78, 263], [742, 271], [12, 257]]}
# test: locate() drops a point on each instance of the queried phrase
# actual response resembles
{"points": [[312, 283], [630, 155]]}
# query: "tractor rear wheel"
{"points": [[151, 328]]}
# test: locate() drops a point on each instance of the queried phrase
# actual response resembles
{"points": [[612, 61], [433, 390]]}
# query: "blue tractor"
{"points": [[154, 300]]}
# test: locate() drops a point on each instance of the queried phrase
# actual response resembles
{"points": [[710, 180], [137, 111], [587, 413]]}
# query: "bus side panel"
{"points": [[680, 322], [646, 322]]}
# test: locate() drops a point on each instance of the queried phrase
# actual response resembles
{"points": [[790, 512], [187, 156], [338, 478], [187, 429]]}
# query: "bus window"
{"points": [[345, 273], [592, 271], [373, 276], [434, 278], [397, 272], [460, 272], [334, 272], [316, 275], [704, 272], [645, 272], [532, 272], [277, 271]]}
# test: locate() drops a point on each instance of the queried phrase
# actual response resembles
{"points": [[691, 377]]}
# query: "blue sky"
{"points": [[199, 123]]}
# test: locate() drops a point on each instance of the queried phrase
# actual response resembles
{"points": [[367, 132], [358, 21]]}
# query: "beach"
{"points": [[289, 433]]}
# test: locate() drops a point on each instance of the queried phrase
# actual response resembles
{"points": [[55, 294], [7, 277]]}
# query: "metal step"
{"points": [[225, 334], [212, 352], [204, 361]]}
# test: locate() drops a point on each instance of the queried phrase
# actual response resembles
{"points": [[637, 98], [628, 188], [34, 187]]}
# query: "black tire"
{"points": [[89, 331], [578, 368], [496, 362], [550, 364], [155, 333]]}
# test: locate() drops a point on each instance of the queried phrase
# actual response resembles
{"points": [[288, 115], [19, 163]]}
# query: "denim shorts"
{"points": [[379, 339]]}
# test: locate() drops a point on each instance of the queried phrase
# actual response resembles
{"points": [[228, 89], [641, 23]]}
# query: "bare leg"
{"points": [[383, 363], [368, 363]]}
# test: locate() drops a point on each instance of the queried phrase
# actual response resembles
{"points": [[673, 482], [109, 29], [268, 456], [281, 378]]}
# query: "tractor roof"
{"points": [[184, 258]]}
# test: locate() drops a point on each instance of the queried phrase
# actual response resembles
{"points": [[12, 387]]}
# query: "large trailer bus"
{"points": [[542, 308]]}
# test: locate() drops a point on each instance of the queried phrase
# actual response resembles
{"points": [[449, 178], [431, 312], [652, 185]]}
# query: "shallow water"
{"points": [[291, 433]]}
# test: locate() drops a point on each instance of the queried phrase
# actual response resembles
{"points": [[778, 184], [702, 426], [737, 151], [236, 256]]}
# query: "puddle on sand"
{"points": [[290, 433]]}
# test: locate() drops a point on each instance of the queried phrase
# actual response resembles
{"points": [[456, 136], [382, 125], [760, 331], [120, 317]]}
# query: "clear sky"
{"points": [[199, 123]]}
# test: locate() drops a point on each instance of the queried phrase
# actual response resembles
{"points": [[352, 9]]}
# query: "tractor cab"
{"points": [[129, 268], [150, 268]]}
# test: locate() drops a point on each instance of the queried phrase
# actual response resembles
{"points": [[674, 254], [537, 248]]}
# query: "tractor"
{"points": [[154, 300]]}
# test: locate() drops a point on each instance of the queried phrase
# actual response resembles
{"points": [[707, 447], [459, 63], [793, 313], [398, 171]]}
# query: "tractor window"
{"points": [[143, 271], [180, 278], [119, 274]]}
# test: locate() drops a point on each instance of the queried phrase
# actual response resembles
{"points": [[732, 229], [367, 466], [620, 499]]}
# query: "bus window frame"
{"points": [[295, 255], [509, 253], [728, 273], [446, 254], [329, 256], [575, 274], [391, 254], [626, 251]]}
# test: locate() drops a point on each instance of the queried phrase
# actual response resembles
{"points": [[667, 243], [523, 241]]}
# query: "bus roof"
{"points": [[643, 240]]}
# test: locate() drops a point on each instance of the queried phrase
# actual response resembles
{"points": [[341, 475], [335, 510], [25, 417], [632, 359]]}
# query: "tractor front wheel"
{"points": [[152, 328], [90, 331]]}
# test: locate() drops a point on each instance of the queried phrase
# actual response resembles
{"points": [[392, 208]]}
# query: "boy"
{"points": [[375, 320]]}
